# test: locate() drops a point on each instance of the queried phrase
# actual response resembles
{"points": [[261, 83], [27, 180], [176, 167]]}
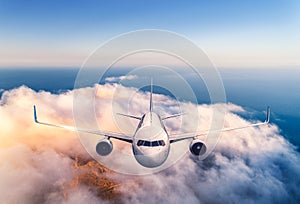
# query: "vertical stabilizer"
{"points": [[151, 92]]}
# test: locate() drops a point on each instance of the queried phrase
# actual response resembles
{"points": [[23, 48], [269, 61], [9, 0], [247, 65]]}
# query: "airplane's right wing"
{"points": [[109, 134], [183, 136]]}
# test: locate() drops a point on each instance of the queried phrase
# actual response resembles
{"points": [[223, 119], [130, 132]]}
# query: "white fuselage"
{"points": [[151, 143]]}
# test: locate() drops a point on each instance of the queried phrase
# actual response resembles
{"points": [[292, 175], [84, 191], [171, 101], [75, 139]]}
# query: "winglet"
{"points": [[35, 115], [268, 115]]}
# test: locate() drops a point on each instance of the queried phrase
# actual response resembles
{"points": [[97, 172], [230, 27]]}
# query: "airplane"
{"points": [[150, 141]]}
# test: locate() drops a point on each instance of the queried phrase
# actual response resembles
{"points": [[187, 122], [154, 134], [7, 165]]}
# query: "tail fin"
{"points": [[151, 92]]}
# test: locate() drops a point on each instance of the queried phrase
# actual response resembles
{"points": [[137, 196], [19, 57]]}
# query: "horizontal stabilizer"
{"points": [[130, 116], [172, 116]]}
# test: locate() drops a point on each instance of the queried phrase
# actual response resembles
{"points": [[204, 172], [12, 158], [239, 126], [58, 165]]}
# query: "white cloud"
{"points": [[256, 165], [120, 78]]}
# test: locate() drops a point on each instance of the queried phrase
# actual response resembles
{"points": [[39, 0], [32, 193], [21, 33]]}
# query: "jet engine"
{"points": [[197, 147], [104, 147]]}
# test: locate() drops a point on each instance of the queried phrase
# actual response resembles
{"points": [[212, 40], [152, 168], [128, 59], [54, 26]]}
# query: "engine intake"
{"points": [[104, 147], [197, 147]]}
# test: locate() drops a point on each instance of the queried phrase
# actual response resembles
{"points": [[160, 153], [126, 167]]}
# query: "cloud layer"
{"points": [[39, 164]]}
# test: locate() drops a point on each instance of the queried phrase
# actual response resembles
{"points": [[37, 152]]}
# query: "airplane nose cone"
{"points": [[153, 160]]}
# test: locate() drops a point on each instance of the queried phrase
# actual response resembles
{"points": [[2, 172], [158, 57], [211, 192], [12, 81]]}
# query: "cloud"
{"points": [[41, 164], [120, 78], [255, 167]]}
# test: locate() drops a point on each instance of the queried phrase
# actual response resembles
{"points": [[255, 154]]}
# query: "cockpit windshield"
{"points": [[151, 143]]}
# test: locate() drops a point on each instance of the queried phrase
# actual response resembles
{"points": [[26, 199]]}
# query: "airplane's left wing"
{"points": [[183, 136], [108, 134]]}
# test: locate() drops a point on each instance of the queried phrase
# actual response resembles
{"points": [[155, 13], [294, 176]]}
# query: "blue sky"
{"points": [[233, 33]]}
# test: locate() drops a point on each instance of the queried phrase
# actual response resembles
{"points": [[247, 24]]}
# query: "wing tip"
{"points": [[35, 114], [268, 114]]}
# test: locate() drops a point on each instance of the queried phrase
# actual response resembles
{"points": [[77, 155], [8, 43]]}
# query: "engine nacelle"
{"points": [[197, 147], [104, 147]]}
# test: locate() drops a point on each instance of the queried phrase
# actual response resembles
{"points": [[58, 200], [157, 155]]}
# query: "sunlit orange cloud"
{"points": [[38, 164]]}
